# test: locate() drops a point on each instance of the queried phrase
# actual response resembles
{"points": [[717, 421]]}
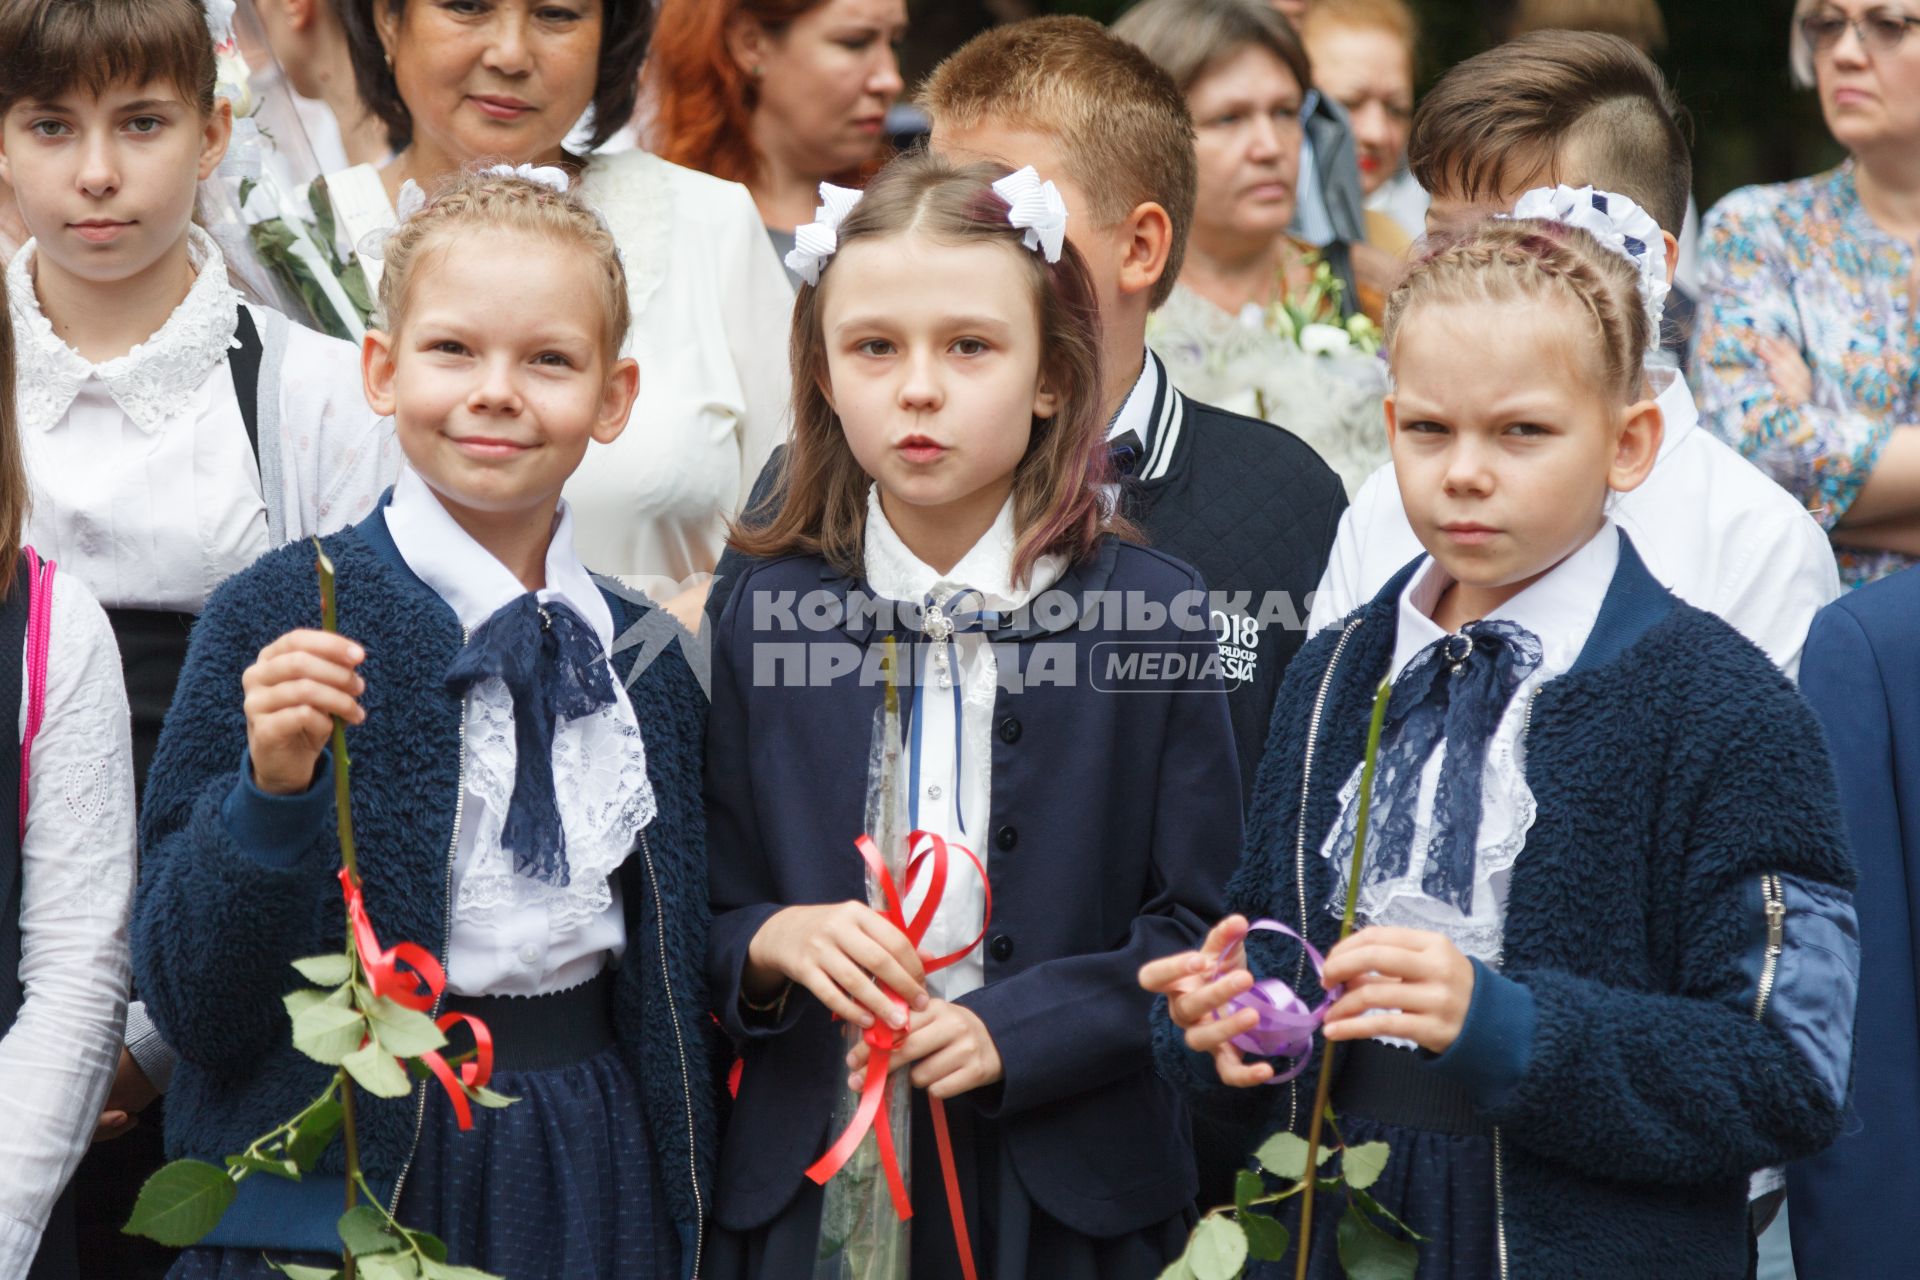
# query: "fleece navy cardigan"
{"points": [[1637, 1051], [235, 884]]}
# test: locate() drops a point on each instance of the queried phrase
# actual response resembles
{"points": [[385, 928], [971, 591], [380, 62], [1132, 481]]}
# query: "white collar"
{"points": [[1136, 415], [1152, 411], [148, 383], [1560, 608], [895, 573], [1678, 412], [466, 575]]}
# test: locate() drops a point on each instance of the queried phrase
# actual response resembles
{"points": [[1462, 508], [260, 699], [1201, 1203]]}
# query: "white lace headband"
{"points": [[1618, 224], [1033, 206]]}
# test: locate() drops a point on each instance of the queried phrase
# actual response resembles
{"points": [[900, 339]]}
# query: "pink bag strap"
{"points": [[39, 624]]}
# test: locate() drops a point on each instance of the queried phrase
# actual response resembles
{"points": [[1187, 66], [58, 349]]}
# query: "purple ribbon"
{"points": [[1286, 1025]]}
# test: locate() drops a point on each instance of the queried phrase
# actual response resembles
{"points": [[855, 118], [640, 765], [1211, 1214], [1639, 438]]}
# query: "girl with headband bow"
{"points": [[1610, 954], [526, 746], [948, 487]]}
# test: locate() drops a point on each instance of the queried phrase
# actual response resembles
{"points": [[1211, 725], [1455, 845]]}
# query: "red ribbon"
{"points": [[417, 991], [884, 1040]]}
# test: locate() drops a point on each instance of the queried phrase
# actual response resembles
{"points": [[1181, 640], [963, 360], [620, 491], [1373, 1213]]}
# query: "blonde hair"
{"points": [[1521, 261], [819, 506], [479, 201], [1120, 123]]}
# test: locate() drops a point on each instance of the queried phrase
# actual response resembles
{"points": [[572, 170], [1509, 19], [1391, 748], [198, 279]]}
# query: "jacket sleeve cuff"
{"points": [[1495, 1044], [735, 931], [276, 830], [153, 1055]]}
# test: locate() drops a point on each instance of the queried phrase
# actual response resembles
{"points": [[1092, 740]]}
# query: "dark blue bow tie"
{"points": [[554, 666], [1456, 689], [1126, 449]]}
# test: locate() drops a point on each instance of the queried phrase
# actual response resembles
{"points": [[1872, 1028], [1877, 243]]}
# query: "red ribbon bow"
{"points": [[418, 990], [884, 1040]]}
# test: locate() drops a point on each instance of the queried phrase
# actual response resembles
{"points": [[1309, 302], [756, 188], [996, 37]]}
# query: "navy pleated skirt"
{"points": [[561, 1185], [1013, 1238]]}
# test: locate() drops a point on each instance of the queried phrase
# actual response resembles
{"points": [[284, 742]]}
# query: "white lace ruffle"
{"points": [[150, 381], [632, 191], [1507, 812], [600, 773]]}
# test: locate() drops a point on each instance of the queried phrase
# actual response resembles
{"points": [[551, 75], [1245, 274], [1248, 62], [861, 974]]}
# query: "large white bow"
{"points": [[550, 176], [816, 241], [1037, 209], [1618, 224]]}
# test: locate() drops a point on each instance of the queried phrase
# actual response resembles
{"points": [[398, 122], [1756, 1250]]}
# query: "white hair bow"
{"points": [[816, 241], [1618, 224], [550, 176], [1037, 209], [220, 21]]}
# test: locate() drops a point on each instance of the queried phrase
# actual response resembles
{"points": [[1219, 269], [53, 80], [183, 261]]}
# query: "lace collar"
{"points": [[150, 381], [894, 572]]}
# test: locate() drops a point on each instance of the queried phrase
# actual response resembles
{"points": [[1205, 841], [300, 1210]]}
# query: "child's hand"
{"points": [[950, 1050], [299, 683], [1421, 975], [836, 951], [1192, 1001]]}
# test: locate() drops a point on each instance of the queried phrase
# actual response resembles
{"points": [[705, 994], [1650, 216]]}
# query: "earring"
{"points": [[757, 71]]}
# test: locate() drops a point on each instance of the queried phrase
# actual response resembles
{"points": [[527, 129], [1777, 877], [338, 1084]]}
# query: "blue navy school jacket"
{"points": [[235, 884], [1860, 674], [1115, 820], [1646, 1042]]}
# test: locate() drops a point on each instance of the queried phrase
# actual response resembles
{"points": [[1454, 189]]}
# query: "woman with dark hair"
{"points": [[509, 80], [781, 95]]}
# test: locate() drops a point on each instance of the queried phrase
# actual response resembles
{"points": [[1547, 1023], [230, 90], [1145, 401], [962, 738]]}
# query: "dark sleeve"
{"points": [[1868, 1171], [1080, 1021], [732, 564], [230, 878], [1742, 1062]]}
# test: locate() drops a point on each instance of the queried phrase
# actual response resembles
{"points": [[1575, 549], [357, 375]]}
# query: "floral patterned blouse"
{"points": [[1802, 260]]}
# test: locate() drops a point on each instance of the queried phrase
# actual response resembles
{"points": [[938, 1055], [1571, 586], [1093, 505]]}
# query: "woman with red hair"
{"points": [[780, 95]]}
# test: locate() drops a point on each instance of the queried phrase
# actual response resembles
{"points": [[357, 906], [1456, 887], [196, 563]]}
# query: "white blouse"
{"points": [[711, 312], [950, 786], [1560, 609], [144, 484], [77, 866], [512, 934]]}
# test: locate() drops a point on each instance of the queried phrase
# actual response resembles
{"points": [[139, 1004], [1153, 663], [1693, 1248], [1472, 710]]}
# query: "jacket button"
{"points": [[1001, 948], [1005, 838], [1009, 730]]}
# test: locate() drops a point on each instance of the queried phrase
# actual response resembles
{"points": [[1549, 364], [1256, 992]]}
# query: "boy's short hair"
{"points": [[54, 46], [1639, 21], [1535, 105], [1121, 124]]}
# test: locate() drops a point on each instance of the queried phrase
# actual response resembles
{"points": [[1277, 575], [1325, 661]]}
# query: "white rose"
{"points": [[231, 81], [1324, 339]]}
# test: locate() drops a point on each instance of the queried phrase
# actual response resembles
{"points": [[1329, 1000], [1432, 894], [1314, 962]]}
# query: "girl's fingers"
{"points": [[1237, 1072], [1222, 936], [938, 1067], [1199, 1004], [1404, 1026], [300, 664], [1385, 959], [828, 992], [1210, 1035], [1163, 976], [856, 982], [1411, 997], [911, 973], [867, 952], [324, 644], [304, 693]]}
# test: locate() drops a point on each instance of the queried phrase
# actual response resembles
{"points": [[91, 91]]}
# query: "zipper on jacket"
{"points": [[680, 1045], [1300, 834], [1499, 1206], [1775, 900], [446, 942]]}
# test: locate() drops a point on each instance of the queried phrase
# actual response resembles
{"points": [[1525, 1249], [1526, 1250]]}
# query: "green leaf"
{"points": [[299, 1272], [353, 282], [325, 971], [377, 1071], [1266, 1239], [1178, 1268], [1362, 1165], [258, 1164], [181, 1203], [1367, 1253], [322, 205], [445, 1271], [1284, 1155], [364, 1230], [1247, 1187], [1379, 1210], [486, 1097], [316, 1129], [427, 1243], [298, 1002], [327, 1033], [406, 1033], [1218, 1248], [389, 1266]]}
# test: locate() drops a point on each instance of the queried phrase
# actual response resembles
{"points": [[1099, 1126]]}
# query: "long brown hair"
{"points": [[702, 101], [820, 504], [15, 497]]}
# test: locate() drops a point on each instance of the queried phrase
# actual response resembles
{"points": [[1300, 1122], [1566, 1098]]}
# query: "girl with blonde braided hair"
{"points": [[527, 799], [1609, 954]]}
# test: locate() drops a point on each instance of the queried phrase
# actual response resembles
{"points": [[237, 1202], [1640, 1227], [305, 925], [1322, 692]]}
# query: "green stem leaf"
{"points": [[181, 1203]]}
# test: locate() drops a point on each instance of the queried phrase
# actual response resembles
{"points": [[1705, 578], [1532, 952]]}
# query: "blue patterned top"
{"points": [[1804, 261]]}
